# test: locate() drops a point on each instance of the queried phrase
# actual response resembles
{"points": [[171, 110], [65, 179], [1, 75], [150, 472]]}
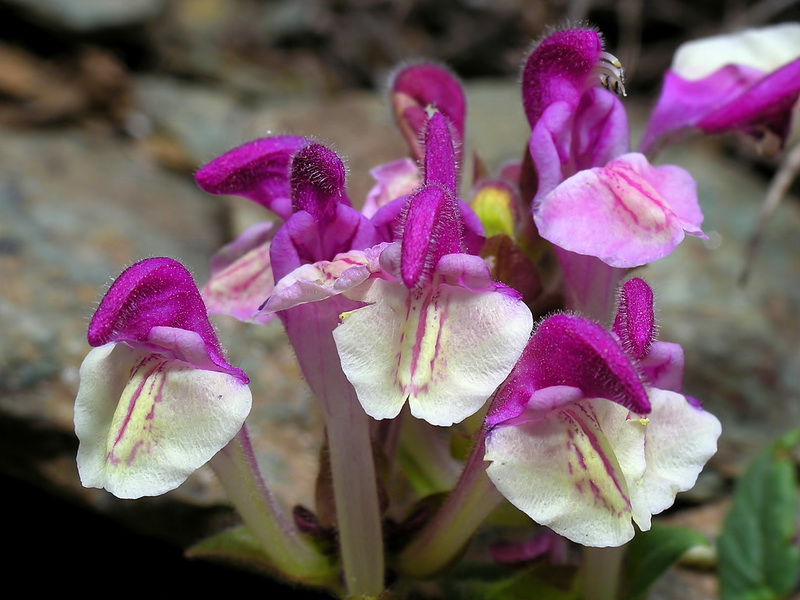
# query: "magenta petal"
{"points": [[557, 69], [473, 236], [318, 182], [241, 275], [440, 155], [568, 139], [303, 240], [766, 105], [600, 131], [258, 170], [683, 102], [155, 292], [471, 272], [627, 213], [544, 542], [431, 228], [418, 86], [570, 352], [635, 323], [389, 218], [662, 368], [550, 146]]}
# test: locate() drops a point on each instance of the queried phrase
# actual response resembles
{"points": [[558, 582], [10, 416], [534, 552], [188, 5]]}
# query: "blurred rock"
{"points": [[90, 15], [205, 122], [92, 84], [76, 209]]}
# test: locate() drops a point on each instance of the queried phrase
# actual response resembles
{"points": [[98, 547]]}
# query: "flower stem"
{"points": [[591, 285], [355, 488], [288, 551], [601, 572], [441, 541], [425, 457]]}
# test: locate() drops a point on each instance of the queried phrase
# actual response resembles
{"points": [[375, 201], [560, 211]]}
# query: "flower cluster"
{"points": [[418, 309]]}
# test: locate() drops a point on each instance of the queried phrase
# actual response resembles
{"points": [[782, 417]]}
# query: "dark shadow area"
{"points": [[56, 547]]}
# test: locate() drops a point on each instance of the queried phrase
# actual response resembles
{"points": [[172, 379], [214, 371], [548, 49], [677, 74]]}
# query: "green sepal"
{"points": [[759, 555], [238, 547], [651, 553]]}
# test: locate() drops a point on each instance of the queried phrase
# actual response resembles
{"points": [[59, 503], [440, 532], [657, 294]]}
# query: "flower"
{"points": [[157, 399], [241, 272], [443, 346], [435, 331], [604, 208], [747, 81], [418, 87], [579, 443], [303, 183], [627, 213], [595, 197]]}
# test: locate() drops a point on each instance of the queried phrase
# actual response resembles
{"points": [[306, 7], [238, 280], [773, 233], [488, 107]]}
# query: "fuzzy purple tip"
{"points": [[421, 85], [635, 323], [258, 170], [557, 70], [155, 292], [318, 182], [440, 154], [431, 227], [568, 350]]}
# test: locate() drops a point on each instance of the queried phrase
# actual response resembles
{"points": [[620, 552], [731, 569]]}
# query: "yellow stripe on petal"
{"points": [[134, 428], [146, 421], [444, 348], [420, 342], [592, 464], [562, 471]]}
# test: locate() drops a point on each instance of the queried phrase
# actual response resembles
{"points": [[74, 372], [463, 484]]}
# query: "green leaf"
{"points": [[494, 582], [532, 584], [240, 548], [759, 556], [652, 552]]}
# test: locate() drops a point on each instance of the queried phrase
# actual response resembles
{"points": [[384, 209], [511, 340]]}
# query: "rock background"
{"points": [[107, 107]]}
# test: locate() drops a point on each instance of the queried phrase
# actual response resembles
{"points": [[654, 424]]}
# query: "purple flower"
{"points": [[616, 206], [599, 204], [580, 443], [157, 399], [747, 81], [626, 213], [241, 272], [419, 87], [304, 183], [435, 331]]}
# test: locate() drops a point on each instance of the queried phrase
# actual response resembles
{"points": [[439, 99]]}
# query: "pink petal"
{"points": [[241, 275], [627, 213]]}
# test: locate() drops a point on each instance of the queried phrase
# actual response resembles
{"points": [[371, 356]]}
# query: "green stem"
{"points": [[358, 514], [425, 456], [441, 541], [287, 550], [355, 491], [602, 568]]}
